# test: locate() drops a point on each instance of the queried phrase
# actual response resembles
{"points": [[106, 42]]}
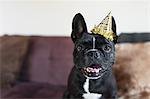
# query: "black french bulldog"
{"points": [[94, 55]]}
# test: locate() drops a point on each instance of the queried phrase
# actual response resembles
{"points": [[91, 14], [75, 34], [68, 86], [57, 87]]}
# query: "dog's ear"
{"points": [[78, 27], [114, 30]]}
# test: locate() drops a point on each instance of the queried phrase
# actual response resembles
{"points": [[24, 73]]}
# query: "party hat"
{"points": [[105, 28]]}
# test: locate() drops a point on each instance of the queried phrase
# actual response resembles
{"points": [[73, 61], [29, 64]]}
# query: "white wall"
{"points": [[54, 17]]}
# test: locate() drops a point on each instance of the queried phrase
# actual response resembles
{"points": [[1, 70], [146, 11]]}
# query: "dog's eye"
{"points": [[79, 48], [106, 48]]}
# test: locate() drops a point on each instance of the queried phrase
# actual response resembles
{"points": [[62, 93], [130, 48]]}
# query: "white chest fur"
{"points": [[89, 95]]}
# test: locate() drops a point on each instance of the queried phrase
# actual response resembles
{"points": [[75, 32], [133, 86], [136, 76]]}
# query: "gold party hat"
{"points": [[105, 28]]}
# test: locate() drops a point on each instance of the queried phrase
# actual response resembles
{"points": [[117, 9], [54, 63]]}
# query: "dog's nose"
{"points": [[93, 54]]}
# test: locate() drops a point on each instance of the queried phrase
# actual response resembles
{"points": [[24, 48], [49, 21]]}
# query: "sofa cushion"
{"points": [[50, 60], [12, 53]]}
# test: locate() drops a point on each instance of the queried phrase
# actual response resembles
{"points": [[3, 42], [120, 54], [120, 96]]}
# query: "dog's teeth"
{"points": [[87, 69], [97, 70]]}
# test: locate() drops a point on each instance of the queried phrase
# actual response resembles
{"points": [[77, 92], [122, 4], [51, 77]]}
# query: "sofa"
{"points": [[38, 67]]}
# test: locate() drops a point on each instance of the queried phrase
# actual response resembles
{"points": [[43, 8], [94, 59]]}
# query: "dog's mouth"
{"points": [[93, 71]]}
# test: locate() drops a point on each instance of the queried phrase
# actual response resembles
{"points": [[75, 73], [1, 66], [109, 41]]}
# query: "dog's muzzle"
{"points": [[95, 70]]}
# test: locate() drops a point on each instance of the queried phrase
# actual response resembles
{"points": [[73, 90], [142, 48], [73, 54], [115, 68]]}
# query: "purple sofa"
{"points": [[38, 67], [44, 69]]}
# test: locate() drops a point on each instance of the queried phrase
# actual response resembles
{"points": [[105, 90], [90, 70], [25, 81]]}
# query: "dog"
{"points": [[93, 56]]}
